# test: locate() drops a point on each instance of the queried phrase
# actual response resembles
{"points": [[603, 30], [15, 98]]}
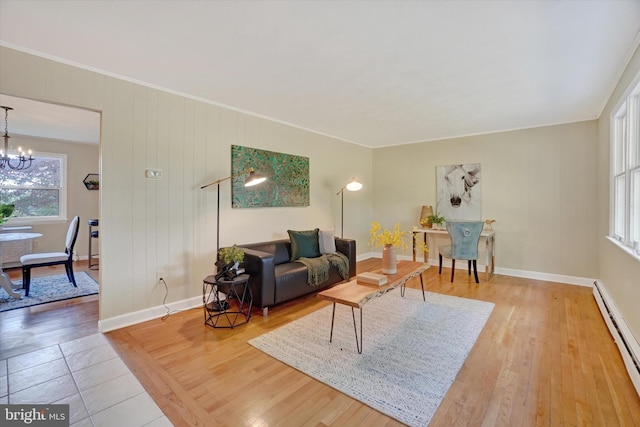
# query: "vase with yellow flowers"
{"points": [[389, 240]]}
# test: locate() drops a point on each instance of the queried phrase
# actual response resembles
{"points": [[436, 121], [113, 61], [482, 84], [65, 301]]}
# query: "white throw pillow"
{"points": [[327, 241]]}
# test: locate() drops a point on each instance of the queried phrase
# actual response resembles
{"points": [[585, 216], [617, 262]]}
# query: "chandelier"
{"points": [[19, 162]]}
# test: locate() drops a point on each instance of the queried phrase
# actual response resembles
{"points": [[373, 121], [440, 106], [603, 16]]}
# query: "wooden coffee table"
{"points": [[357, 295]]}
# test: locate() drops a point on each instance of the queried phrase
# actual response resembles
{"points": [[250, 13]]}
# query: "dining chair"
{"points": [[52, 258], [465, 236]]}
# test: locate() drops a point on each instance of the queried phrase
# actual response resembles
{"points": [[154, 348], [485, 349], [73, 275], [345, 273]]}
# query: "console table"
{"points": [[489, 237]]}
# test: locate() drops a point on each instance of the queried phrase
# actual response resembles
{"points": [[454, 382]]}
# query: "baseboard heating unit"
{"points": [[627, 344]]}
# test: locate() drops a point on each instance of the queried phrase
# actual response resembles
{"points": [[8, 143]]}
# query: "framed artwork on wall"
{"points": [[459, 192], [287, 183]]}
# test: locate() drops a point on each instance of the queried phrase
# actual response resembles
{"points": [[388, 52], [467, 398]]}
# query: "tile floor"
{"points": [[88, 375]]}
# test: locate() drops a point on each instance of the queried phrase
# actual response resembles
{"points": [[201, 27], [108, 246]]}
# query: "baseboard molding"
{"points": [[117, 322], [547, 277], [535, 275], [622, 335]]}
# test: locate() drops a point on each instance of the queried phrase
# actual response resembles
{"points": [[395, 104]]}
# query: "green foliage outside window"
{"points": [[35, 192]]}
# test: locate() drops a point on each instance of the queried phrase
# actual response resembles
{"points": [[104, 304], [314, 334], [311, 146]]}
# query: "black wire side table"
{"points": [[227, 303]]}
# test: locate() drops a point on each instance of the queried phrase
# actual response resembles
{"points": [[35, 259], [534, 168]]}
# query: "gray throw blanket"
{"points": [[318, 268]]}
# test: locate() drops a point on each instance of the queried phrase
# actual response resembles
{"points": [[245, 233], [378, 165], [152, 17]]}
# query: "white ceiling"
{"points": [[376, 73], [45, 120]]}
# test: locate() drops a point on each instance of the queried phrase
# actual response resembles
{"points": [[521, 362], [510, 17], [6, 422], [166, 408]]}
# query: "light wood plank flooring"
{"points": [[544, 358], [32, 328]]}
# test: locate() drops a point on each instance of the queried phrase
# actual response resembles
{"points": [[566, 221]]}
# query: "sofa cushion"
{"points": [[304, 244], [327, 241]]}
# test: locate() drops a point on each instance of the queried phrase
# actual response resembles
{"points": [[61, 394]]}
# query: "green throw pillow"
{"points": [[304, 244]]}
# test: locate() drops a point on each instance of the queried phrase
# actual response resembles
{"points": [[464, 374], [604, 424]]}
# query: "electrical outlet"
{"points": [[160, 276]]}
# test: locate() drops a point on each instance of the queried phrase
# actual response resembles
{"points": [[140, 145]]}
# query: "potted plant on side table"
{"points": [[228, 263]]}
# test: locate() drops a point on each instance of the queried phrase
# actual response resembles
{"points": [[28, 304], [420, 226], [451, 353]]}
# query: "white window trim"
{"points": [[624, 104], [62, 217], [626, 249]]}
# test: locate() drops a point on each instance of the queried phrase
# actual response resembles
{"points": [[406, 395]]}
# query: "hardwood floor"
{"points": [[32, 328], [544, 357]]}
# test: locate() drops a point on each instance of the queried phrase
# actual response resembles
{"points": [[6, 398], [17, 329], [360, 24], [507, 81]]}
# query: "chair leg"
{"points": [[469, 267], [26, 279], [69, 268], [66, 271], [440, 258], [453, 268], [475, 270]]}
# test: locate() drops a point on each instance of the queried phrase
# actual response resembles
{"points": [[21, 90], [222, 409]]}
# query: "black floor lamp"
{"points": [[353, 185], [254, 178]]}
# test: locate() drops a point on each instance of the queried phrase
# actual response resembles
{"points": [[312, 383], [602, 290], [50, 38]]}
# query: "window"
{"points": [[625, 170], [38, 193]]}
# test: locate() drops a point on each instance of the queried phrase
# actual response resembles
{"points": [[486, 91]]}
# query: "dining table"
{"points": [[5, 282]]}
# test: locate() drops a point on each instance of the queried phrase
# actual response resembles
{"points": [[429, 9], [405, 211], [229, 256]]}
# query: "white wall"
{"points": [[169, 225], [618, 270], [538, 184]]}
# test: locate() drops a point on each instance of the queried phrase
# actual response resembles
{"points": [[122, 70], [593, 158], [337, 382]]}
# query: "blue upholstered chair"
{"points": [[464, 245]]}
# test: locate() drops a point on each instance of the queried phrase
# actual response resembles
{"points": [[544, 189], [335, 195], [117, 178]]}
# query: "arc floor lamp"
{"points": [[353, 185], [254, 178]]}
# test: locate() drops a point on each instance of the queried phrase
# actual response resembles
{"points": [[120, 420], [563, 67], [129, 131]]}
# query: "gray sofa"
{"points": [[275, 279]]}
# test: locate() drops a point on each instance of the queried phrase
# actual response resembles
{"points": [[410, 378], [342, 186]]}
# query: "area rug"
{"points": [[48, 289], [412, 350]]}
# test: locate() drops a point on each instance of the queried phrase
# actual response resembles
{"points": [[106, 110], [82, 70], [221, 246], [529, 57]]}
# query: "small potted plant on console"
{"points": [[436, 220]]}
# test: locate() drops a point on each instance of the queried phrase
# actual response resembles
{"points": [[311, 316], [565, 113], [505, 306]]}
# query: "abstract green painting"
{"points": [[287, 181]]}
